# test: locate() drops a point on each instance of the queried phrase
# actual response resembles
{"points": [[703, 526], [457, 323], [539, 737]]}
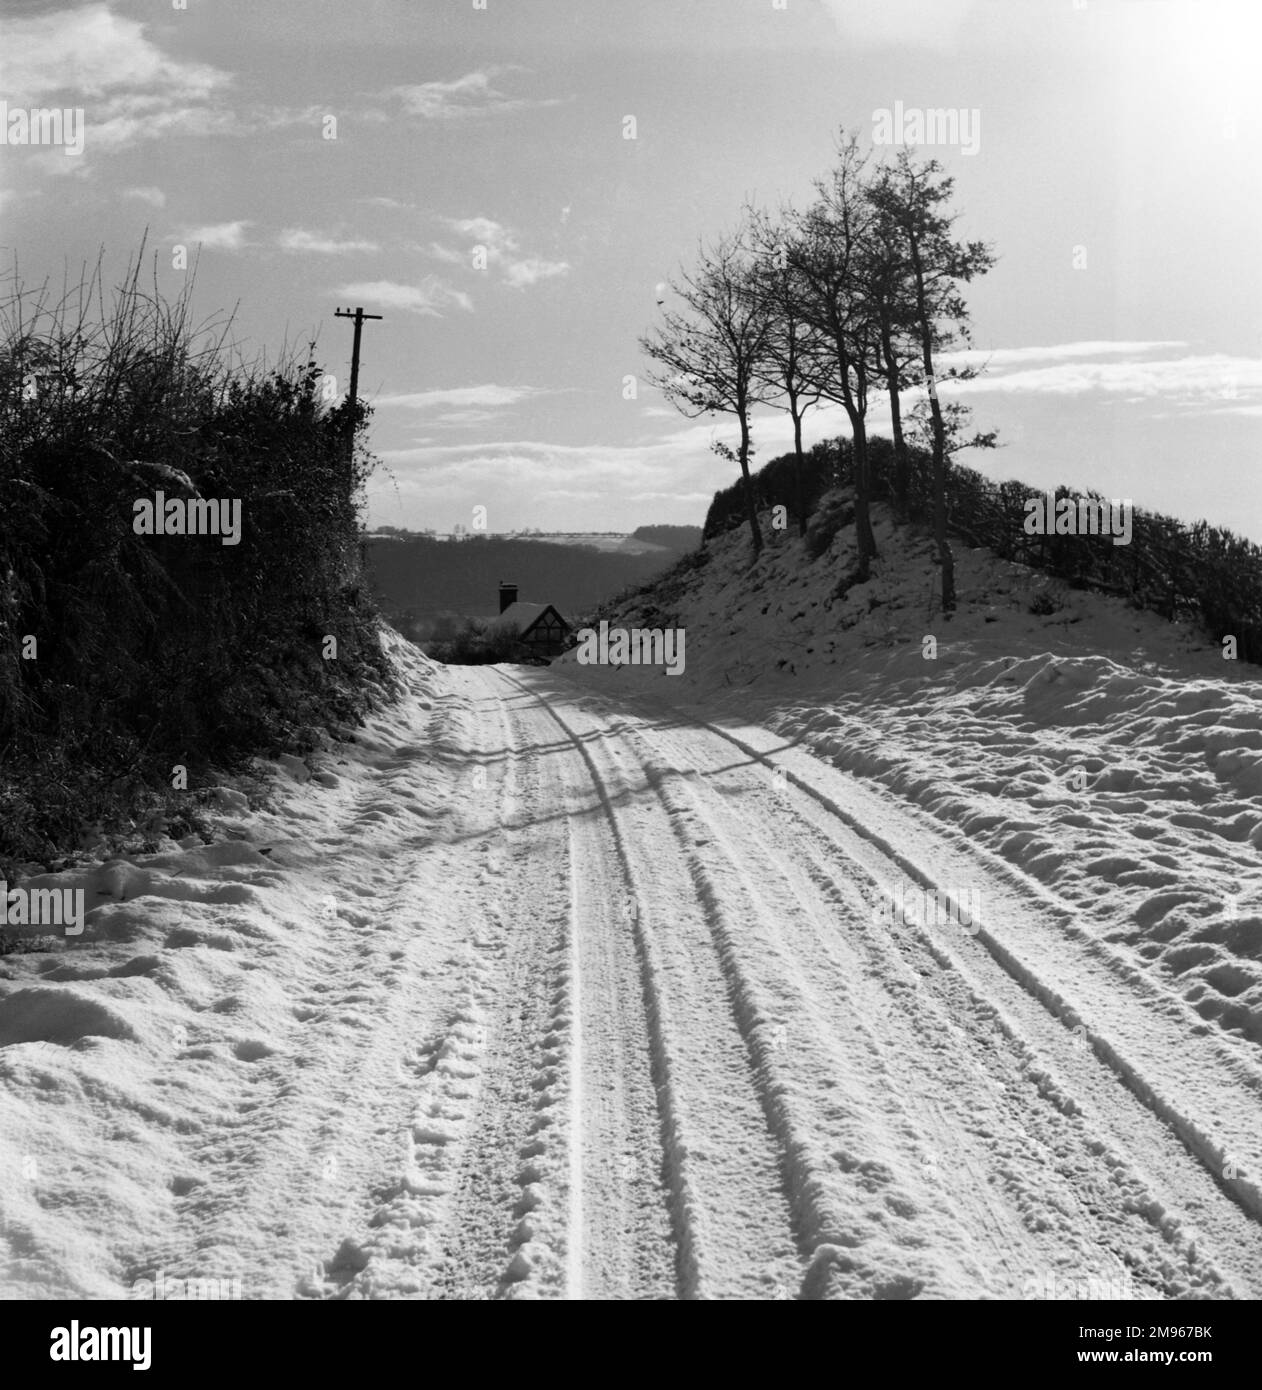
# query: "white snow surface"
{"points": [[574, 982]]}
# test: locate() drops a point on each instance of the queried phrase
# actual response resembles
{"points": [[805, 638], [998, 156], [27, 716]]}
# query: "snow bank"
{"points": [[209, 981]]}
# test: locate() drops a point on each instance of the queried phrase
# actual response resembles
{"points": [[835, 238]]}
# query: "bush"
{"points": [[835, 510], [1044, 603], [479, 643], [123, 655]]}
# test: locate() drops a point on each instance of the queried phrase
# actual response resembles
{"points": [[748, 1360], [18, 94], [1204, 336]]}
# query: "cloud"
{"points": [[221, 236], [155, 197], [53, 164], [1197, 380], [934, 24], [488, 395], [539, 483], [133, 116], [484, 229], [10, 196], [295, 239], [655, 462], [503, 251], [474, 94], [1001, 357], [445, 254], [670, 476], [535, 464], [129, 87], [124, 120], [430, 297], [92, 52], [464, 417], [1189, 384], [521, 274]]}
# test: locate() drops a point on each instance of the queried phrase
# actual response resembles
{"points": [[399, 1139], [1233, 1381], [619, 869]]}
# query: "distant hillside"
{"points": [[680, 539], [645, 540], [611, 542], [419, 579]]}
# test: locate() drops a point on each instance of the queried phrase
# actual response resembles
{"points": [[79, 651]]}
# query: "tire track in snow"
{"points": [[682, 1201], [493, 1201], [461, 1216], [504, 1229], [574, 1234], [734, 1221], [831, 1235], [1030, 1206], [621, 1243], [1235, 1163], [398, 1252], [1182, 1265], [801, 1181], [603, 1194]]}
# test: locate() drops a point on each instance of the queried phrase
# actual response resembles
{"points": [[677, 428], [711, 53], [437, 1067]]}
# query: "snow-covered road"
{"points": [[552, 992], [850, 1105]]}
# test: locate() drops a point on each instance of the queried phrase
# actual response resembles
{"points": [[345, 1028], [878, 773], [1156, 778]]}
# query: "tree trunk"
{"points": [[946, 557], [902, 464], [799, 466], [751, 504], [865, 538]]}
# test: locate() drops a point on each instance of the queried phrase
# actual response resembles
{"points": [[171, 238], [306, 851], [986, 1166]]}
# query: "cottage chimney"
{"points": [[508, 595]]}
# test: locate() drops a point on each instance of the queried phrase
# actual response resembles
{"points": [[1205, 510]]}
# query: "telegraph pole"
{"points": [[359, 316]]}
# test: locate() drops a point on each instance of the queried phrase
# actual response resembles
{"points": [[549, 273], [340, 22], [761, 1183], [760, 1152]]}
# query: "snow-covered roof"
{"points": [[519, 616]]}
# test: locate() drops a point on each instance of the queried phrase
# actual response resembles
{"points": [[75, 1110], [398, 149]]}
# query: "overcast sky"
{"points": [[1116, 171]]}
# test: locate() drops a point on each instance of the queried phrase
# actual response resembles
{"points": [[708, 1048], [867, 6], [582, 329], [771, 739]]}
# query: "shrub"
{"points": [[479, 643], [1044, 603], [835, 510], [123, 655]]}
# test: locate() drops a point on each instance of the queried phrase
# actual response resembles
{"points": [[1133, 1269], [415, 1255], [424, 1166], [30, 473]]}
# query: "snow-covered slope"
{"points": [[200, 1075]]}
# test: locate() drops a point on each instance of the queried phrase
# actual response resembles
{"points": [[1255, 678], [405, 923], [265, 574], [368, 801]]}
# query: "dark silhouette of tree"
{"points": [[910, 198], [829, 254], [788, 372], [708, 355]]}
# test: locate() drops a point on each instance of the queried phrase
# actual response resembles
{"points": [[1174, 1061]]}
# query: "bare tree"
{"points": [[828, 254], [910, 197], [709, 355], [892, 301], [789, 370]]}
